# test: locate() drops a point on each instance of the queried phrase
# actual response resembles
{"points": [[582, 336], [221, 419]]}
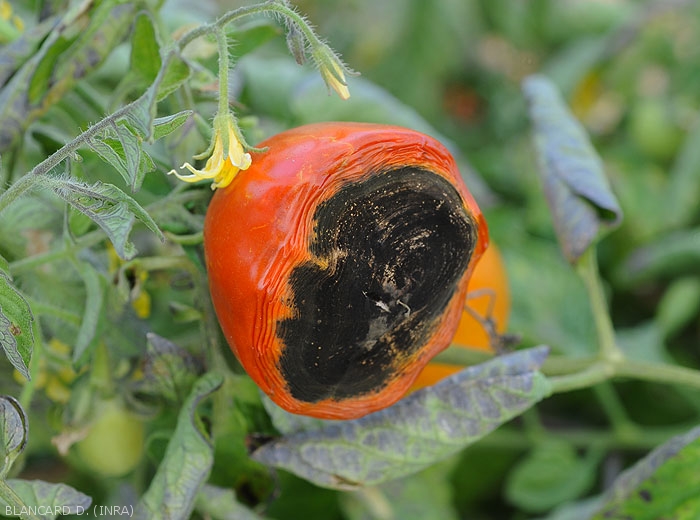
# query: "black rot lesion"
{"points": [[386, 257]]}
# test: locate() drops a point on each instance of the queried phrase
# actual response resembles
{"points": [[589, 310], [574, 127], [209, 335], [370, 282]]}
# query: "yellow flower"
{"points": [[332, 70], [227, 156], [335, 79]]}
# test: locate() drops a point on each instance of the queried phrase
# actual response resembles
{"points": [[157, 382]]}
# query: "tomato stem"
{"points": [[588, 270], [223, 72]]}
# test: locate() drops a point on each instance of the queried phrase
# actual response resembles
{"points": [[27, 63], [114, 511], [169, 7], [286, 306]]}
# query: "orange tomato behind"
{"points": [[488, 297]]}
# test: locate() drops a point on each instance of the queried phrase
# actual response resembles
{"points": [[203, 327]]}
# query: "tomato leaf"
{"points": [[392, 443], [145, 50], [131, 154], [580, 510], [13, 432], [537, 312], [427, 494], [126, 155], [169, 371], [551, 474], [109, 207], [221, 504], [53, 499], [679, 305], [579, 194], [667, 256], [16, 326], [664, 484], [94, 298], [176, 73], [14, 54], [140, 117], [684, 182], [163, 126], [186, 465]]}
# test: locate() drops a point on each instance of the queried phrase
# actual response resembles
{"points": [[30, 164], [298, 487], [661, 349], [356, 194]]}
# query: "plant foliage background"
{"points": [[576, 126]]}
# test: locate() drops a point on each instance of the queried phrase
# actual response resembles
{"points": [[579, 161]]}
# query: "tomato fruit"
{"points": [[338, 263], [115, 442]]}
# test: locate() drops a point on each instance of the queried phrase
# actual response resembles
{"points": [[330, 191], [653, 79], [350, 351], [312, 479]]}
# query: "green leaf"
{"points": [[94, 298], [131, 155], [684, 182], [426, 495], [109, 24], [163, 126], [580, 510], [13, 101], [679, 305], [141, 115], [16, 326], [186, 465], [176, 73], [665, 484], [51, 500], [14, 431], [580, 198], [427, 426], [15, 54], [551, 474], [537, 312], [173, 212], [125, 154], [670, 255], [169, 371], [145, 50], [221, 504], [643, 342], [109, 207], [39, 83]]}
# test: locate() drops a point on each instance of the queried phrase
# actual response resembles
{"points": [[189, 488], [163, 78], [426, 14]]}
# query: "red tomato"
{"points": [[338, 264]]}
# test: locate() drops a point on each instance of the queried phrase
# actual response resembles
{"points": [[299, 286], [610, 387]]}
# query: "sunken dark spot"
{"points": [[388, 254]]}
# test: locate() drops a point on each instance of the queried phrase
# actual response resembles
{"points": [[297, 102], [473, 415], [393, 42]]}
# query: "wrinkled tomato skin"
{"points": [[259, 227]]}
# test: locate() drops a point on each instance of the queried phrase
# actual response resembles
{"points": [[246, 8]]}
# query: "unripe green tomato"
{"points": [[653, 129], [114, 445]]}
